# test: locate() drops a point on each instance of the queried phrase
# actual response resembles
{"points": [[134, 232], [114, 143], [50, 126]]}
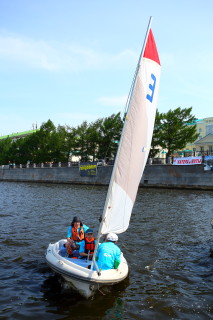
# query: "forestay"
{"points": [[135, 141]]}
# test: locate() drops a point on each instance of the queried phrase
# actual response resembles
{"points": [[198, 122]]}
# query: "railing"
{"points": [[41, 165], [47, 165], [150, 161], [71, 164]]}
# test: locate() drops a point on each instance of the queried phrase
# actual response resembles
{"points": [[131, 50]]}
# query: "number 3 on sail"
{"points": [[152, 88], [84, 275]]}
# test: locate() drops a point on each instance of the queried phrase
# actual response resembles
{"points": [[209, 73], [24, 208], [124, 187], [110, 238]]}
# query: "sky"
{"points": [[73, 61]]}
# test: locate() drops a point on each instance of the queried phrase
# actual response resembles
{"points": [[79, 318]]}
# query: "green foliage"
{"points": [[172, 129], [96, 140], [156, 142], [5, 151], [109, 135], [80, 143], [50, 144]]}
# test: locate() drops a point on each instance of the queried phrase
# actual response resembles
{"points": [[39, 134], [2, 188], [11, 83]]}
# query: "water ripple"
{"points": [[167, 247]]}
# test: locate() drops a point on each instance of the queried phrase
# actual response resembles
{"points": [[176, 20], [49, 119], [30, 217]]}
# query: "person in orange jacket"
{"points": [[87, 246], [75, 234]]}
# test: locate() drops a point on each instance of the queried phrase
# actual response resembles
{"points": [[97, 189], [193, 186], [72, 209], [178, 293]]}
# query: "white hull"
{"points": [[76, 272]]}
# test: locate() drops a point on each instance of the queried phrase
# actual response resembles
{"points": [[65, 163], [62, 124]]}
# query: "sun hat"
{"points": [[89, 231], [112, 237], [76, 219]]}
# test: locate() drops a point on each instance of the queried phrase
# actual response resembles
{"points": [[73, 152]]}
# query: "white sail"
{"points": [[135, 142]]}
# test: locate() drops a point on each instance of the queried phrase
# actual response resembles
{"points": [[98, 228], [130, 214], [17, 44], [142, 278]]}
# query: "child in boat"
{"points": [[87, 246], [75, 234]]}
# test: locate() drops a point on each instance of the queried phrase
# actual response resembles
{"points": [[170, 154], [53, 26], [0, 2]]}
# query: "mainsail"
{"points": [[135, 141]]}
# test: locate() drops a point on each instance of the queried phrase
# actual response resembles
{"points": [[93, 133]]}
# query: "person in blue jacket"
{"points": [[75, 234], [108, 254]]}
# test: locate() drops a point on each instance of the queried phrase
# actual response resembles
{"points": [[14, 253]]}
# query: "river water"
{"points": [[167, 247]]}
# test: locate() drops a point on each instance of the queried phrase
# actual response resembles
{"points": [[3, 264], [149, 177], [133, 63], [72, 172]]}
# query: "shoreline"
{"points": [[155, 176]]}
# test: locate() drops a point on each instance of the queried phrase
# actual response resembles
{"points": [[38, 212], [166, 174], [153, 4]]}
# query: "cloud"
{"points": [[75, 119], [72, 118], [37, 54], [13, 123], [56, 56], [119, 101]]}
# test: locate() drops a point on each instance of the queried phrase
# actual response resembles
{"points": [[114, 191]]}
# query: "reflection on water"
{"points": [[167, 247]]}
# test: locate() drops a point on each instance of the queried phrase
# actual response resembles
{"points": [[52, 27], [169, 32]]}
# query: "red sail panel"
{"points": [[150, 51]]}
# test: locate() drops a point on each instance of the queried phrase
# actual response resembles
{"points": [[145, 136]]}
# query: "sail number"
{"points": [[152, 88]]}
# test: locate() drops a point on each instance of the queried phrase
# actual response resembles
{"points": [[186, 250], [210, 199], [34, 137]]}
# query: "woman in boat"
{"points": [[108, 254], [75, 234], [87, 246]]}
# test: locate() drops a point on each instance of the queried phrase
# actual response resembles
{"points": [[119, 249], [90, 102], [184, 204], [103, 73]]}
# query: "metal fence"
{"points": [[150, 161]]}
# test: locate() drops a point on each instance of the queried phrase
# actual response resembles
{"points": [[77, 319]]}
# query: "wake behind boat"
{"points": [[129, 165]]}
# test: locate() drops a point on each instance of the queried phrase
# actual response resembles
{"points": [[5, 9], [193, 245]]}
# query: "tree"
{"points": [[62, 144], [70, 141], [97, 140], [109, 135], [176, 129], [20, 150], [93, 135], [47, 143], [5, 151], [80, 145], [155, 145]]}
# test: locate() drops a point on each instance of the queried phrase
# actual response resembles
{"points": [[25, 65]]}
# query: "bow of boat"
{"points": [[78, 272]]}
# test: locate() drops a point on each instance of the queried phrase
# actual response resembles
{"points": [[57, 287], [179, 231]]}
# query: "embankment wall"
{"points": [[184, 177], [163, 176]]}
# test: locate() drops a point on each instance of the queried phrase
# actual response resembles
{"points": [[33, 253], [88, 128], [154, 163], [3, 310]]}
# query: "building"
{"points": [[204, 144], [18, 135]]}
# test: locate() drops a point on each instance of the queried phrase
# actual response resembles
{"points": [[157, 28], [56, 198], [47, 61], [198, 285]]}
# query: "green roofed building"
{"points": [[18, 135]]}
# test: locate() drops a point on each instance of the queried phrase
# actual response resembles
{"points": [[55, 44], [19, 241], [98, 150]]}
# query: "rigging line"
{"points": [[130, 91], [138, 66]]}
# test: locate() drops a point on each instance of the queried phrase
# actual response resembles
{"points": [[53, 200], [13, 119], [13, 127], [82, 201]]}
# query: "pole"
{"points": [[138, 66]]}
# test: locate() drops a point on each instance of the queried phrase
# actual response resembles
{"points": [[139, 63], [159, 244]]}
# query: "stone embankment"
{"points": [[162, 176]]}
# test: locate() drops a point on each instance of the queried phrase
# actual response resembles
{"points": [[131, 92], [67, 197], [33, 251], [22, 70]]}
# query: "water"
{"points": [[167, 247]]}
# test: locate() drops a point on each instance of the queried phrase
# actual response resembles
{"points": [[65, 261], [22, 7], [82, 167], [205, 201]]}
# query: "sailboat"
{"points": [[84, 275]]}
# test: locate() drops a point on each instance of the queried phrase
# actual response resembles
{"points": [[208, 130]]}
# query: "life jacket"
{"points": [[89, 245], [77, 236], [69, 248]]}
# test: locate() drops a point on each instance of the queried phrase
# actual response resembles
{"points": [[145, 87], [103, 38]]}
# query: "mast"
{"points": [[138, 67], [118, 151]]}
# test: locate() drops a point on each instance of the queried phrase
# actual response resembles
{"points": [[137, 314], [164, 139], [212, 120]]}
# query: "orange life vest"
{"points": [[69, 248], [89, 245], [77, 236]]}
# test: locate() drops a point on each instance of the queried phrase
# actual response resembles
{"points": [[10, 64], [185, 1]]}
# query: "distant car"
{"points": [[101, 162]]}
